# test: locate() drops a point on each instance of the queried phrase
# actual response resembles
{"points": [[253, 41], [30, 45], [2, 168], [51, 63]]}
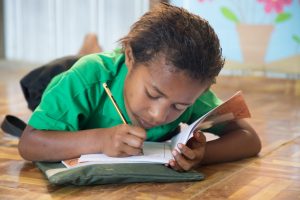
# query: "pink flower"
{"points": [[202, 1], [276, 5]]}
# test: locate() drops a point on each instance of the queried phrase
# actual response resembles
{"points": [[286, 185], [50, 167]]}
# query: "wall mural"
{"points": [[257, 36]]}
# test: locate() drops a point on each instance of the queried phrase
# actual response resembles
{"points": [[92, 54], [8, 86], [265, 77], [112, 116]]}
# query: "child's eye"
{"points": [[151, 96], [179, 107]]}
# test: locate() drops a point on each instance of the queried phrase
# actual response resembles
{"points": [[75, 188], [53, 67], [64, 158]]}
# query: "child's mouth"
{"points": [[144, 123]]}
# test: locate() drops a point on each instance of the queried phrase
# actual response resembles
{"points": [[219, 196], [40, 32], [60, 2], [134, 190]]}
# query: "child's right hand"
{"points": [[123, 140]]}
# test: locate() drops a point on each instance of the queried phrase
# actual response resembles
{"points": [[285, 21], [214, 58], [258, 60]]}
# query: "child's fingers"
{"points": [[182, 162], [174, 165], [200, 137], [138, 132], [187, 152], [131, 151], [198, 140], [133, 141]]}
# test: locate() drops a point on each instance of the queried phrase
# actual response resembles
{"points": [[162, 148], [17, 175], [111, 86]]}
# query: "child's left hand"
{"points": [[191, 154]]}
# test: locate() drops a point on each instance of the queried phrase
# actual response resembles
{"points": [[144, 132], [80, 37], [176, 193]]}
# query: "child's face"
{"points": [[155, 94]]}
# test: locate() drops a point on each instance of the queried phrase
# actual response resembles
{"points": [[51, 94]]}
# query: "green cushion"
{"points": [[99, 174]]}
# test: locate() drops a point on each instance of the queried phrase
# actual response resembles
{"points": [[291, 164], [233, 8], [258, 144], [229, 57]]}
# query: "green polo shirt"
{"points": [[75, 100]]}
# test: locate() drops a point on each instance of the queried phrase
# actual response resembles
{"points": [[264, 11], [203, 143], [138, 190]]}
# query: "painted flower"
{"points": [[269, 6], [274, 5], [202, 1]]}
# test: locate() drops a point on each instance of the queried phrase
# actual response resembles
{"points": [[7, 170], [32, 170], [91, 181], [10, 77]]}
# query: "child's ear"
{"points": [[129, 60]]}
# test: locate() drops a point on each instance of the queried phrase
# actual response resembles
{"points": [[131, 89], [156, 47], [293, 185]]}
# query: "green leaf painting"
{"points": [[282, 17], [296, 38], [229, 14]]}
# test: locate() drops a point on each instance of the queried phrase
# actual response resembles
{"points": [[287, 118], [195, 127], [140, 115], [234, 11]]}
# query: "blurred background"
{"points": [[258, 37]]}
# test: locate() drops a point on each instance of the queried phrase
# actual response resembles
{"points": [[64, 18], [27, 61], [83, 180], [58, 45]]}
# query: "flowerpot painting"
{"points": [[254, 41], [257, 36], [254, 38]]}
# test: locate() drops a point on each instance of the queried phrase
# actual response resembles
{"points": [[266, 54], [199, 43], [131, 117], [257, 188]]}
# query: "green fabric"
{"points": [[57, 174], [75, 100]]}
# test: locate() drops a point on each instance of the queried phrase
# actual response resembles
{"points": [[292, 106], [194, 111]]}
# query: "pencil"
{"points": [[108, 92]]}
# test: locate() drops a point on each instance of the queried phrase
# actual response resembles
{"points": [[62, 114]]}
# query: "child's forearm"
{"points": [[234, 145], [37, 145]]}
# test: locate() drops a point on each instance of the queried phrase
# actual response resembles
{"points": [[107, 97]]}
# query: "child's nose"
{"points": [[158, 114]]}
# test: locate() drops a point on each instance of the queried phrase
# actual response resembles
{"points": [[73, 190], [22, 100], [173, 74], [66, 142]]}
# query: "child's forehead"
{"points": [[160, 67], [160, 60], [162, 73], [177, 85]]}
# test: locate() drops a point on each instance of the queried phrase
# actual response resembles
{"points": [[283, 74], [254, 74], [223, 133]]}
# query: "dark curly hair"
{"points": [[186, 40]]}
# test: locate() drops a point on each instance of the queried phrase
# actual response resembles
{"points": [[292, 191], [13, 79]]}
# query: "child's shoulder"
{"points": [[107, 60], [99, 67]]}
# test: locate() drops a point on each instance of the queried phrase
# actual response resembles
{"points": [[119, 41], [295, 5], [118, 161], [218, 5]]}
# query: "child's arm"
{"points": [[238, 141], [122, 140]]}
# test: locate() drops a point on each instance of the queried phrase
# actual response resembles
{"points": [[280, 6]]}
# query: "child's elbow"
{"points": [[24, 146], [23, 150], [255, 144]]}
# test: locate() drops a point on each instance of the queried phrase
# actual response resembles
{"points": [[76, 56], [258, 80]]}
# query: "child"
{"points": [[160, 78]]}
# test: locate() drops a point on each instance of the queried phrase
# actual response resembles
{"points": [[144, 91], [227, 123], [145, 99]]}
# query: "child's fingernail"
{"points": [[199, 133], [172, 163], [174, 153], [196, 134], [180, 146]]}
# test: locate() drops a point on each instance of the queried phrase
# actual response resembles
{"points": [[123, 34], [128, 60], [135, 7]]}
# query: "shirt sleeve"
{"points": [[205, 103], [65, 104]]}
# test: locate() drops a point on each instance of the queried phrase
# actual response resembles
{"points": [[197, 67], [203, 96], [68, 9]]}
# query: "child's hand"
{"points": [[191, 154], [123, 140]]}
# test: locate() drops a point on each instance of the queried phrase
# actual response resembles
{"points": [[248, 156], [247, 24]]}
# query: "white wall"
{"points": [[40, 30]]}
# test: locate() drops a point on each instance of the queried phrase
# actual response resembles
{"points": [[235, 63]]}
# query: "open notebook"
{"points": [[160, 152]]}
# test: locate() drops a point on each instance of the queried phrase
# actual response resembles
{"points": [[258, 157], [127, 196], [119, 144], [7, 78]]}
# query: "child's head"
{"points": [[187, 41], [172, 57]]}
